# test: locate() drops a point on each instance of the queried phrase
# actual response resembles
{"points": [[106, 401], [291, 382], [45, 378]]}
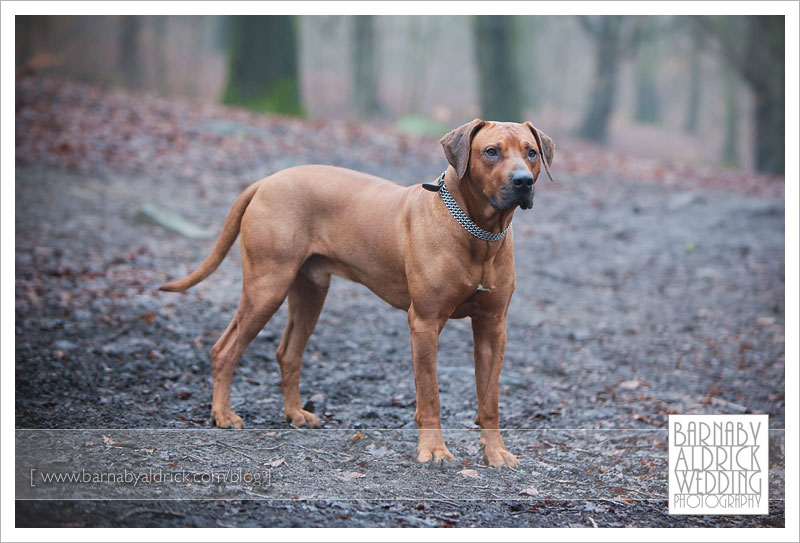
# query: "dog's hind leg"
{"points": [[261, 297], [306, 297]]}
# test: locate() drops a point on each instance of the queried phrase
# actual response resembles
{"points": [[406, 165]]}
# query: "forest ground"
{"points": [[644, 288]]}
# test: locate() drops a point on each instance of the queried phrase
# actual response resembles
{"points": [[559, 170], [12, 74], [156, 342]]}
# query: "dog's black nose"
{"points": [[522, 179]]}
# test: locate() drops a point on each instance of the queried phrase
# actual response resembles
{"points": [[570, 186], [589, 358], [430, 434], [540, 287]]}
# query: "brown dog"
{"points": [[408, 245]]}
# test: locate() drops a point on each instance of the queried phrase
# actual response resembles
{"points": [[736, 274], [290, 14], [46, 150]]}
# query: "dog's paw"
{"points": [[301, 417], [500, 457], [436, 453], [228, 419]]}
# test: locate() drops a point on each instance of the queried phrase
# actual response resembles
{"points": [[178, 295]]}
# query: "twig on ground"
{"points": [[236, 449], [149, 510]]}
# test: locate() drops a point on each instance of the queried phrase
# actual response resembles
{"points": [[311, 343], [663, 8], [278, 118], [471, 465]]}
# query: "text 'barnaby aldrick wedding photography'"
{"points": [[718, 464]]}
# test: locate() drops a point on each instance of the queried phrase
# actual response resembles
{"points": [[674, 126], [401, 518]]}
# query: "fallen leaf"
{"points": [[148, 318], [530, 491], [275, 463], [110, 442], [350, 475], [471, 473], [355, 437], [633, 384]]}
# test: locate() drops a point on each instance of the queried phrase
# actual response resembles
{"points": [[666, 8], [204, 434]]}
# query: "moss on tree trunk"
{"points": [[263, 64]]}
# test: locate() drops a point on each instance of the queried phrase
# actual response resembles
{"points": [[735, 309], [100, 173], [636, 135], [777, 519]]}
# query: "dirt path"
{"points": [[634, 301]]}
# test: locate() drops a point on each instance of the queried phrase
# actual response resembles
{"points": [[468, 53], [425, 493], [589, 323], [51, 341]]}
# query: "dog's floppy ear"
{"points": [[547, 147], [456, 145]]}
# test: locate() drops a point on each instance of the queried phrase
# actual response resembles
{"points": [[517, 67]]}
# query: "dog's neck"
{"points": [[475, 204]]}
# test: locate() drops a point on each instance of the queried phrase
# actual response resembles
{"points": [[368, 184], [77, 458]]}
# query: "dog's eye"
{"points": [[491, 151], [531, 153]]}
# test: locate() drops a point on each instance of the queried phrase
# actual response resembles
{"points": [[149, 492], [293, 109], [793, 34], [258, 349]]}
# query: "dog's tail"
{"points": [[226, 238]]}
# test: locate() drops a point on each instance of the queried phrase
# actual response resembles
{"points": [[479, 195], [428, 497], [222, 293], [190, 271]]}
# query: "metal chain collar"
{"points": [[464, 220]]}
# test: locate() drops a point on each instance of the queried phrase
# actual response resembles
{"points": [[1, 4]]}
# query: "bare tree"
{"points": [[422, 32], [263, 64], [30, 30], [614, 37], [129, 59], [365, 69], [160, 33], [648, 104], [695, 76], [527, 43], [498, 80], [754, 45], [730, 150]]}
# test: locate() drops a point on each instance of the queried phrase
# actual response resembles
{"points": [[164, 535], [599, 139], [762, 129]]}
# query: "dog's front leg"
{"points": [[489, 333], [424, 345]]}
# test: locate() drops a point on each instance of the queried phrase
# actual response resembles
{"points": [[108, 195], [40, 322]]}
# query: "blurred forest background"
{"points": [[697, 90]]}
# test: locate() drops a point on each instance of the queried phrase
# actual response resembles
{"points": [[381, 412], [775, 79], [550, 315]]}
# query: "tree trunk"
{"points": [[263, 64], [129, 59], [31, 40], [561, 60], [764, 70], [161, 35], [365, 72], [730, 151], [526, 48], [754, 45], [498, 81], [24, 28], [196, 59], [770, 143], [647, 103], [421, 32], [604, 88], [693, 105]]}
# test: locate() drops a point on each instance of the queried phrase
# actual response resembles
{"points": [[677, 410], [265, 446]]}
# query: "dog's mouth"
{"points": [[524, 201]]}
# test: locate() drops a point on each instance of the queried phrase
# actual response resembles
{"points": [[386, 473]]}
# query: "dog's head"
{"points": [[503, 159]]}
